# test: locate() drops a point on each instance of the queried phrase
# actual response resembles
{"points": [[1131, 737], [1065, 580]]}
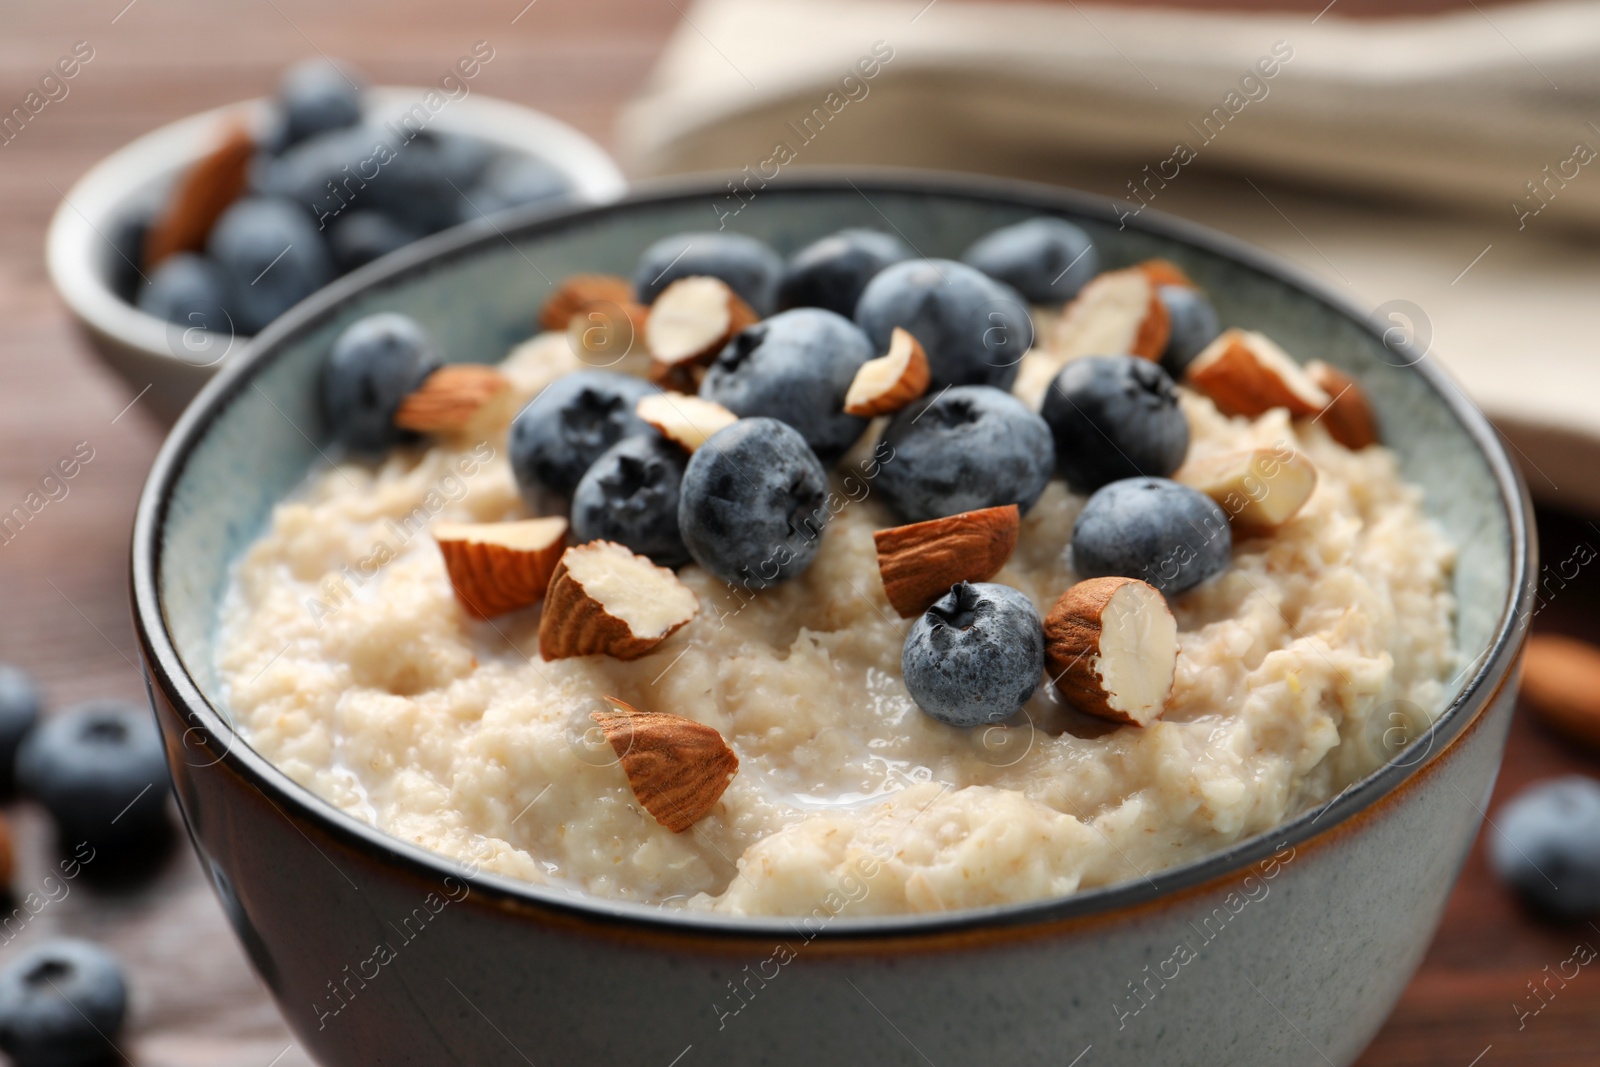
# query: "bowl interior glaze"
{"points": [[254, 433]]}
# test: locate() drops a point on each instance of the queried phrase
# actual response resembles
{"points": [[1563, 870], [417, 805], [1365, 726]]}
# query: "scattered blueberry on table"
{"points": [[1548, 846], [976, 655], [1162, 533], [1046, 260], [562, 431], [62, 1004], [630, 495], [832, 272], [748, 266], [374, 363], [1114, 417]]}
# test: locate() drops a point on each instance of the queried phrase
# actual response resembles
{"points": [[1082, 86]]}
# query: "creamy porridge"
{"points": [[350, 663]]}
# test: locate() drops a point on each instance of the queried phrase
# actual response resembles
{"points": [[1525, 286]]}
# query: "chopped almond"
{"points": [[891, 381], [606, 600], [677, 768], [920, 562], [496, 567], [690, 322], [1111, 644], [684, 419], [1259, 488], [1348, 416], [579, 291], [203, 194], [1245, 373], [456, 399], [1117, 313]]}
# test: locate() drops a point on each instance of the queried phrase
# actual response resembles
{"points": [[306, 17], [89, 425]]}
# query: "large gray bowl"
{"points": [[1298, 941]]}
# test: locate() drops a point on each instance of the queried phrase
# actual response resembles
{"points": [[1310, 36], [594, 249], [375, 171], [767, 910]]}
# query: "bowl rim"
{"points": [[78, 224], [1483, 681]]}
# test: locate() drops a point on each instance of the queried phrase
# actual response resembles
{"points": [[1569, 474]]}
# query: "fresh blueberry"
{"points": [[356, 238], [568, 426], [19, 711], [188, 290], [750, 268], [796, 366], [415, 185], [1548, 847], [512, 181], [318, 95], [62, 1004], [374, 364], [1194, 325], [754, 503], [630, 496], [123, 257], [99, 769], [966, 448], [831, 273], [1114, 417], [466, 159], [272, 258], [1163, 533], [404, 173], [1046, 260], [974, 329], [976, 656]]}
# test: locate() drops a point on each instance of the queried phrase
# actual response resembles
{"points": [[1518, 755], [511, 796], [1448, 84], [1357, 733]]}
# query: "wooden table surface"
{"points": [[63, 601]]}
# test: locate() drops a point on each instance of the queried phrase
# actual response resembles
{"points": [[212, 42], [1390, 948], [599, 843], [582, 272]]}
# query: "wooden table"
{"points": [[63, 580]]}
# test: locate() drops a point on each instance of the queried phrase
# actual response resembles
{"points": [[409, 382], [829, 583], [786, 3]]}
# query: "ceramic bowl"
{"points": [[1290, 947], [173, 363]]}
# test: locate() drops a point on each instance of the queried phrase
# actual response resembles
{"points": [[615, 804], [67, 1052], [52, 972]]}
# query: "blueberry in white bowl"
{"points": [[1193, 324], [318, 95], [1046, 260], [831, 272], [187, 289], [569, 425], [62, 1004], [374, 363], [963, 449], [1548, 847], [99, 769], [796, 366], [749, 267], [973, 329], [1162, 533], [19, 712], [1114, 417], [356, 238], [630, 495], [976, 655], [754, 503], [269, 251]]}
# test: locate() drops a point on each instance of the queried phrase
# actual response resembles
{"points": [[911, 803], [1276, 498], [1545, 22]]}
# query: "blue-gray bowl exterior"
{"points": [[381, 952]]}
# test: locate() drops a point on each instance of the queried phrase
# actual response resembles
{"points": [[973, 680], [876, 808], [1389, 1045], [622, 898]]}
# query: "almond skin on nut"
{"points": [[606, 600], [1348, 416], [579, 291], [604, 331], [1561, 683], [1111, 645], [677, 768], [920, 562], [1245, 373], [890, 382], [684, 419], [201, 197], [690, 322], [1259, 488], [1118, 313], [1165, 272], [455, 399], [496, 567]]}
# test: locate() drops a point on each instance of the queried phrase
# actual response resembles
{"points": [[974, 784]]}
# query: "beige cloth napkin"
{"points": [[1448, 162]]}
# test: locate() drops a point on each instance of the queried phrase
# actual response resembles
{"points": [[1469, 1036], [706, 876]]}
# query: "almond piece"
{"points": [[920, 562], [454, 399], [1259, 488], [891, 381], [1348, 416], [1561, 683], [1245, 373], [202, 195], [578, 292], [1165, 272], [1111, 644], [690, 322], [1116, 314], [602, 332], [676, 767], [605, 600], [496, 567], [684, 419]]}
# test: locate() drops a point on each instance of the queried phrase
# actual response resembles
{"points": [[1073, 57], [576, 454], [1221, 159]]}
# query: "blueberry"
{"points": [[374, 364], [1114, 417], [969, 447], [188, 290], [1194, 325], [796, 366], [512, 181], [1548, 846], [19, 711], [750, 268], [61, 1005], [1046, 260], [99, 769], [466, 159], [974, 329], [356, 238], [123, 256], [416, 185], [401, 172], [630, 496], [976, 656], [754, 503], [318, 95], [569, 425], [831, 273], [272, 258], [1163, 533]]}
